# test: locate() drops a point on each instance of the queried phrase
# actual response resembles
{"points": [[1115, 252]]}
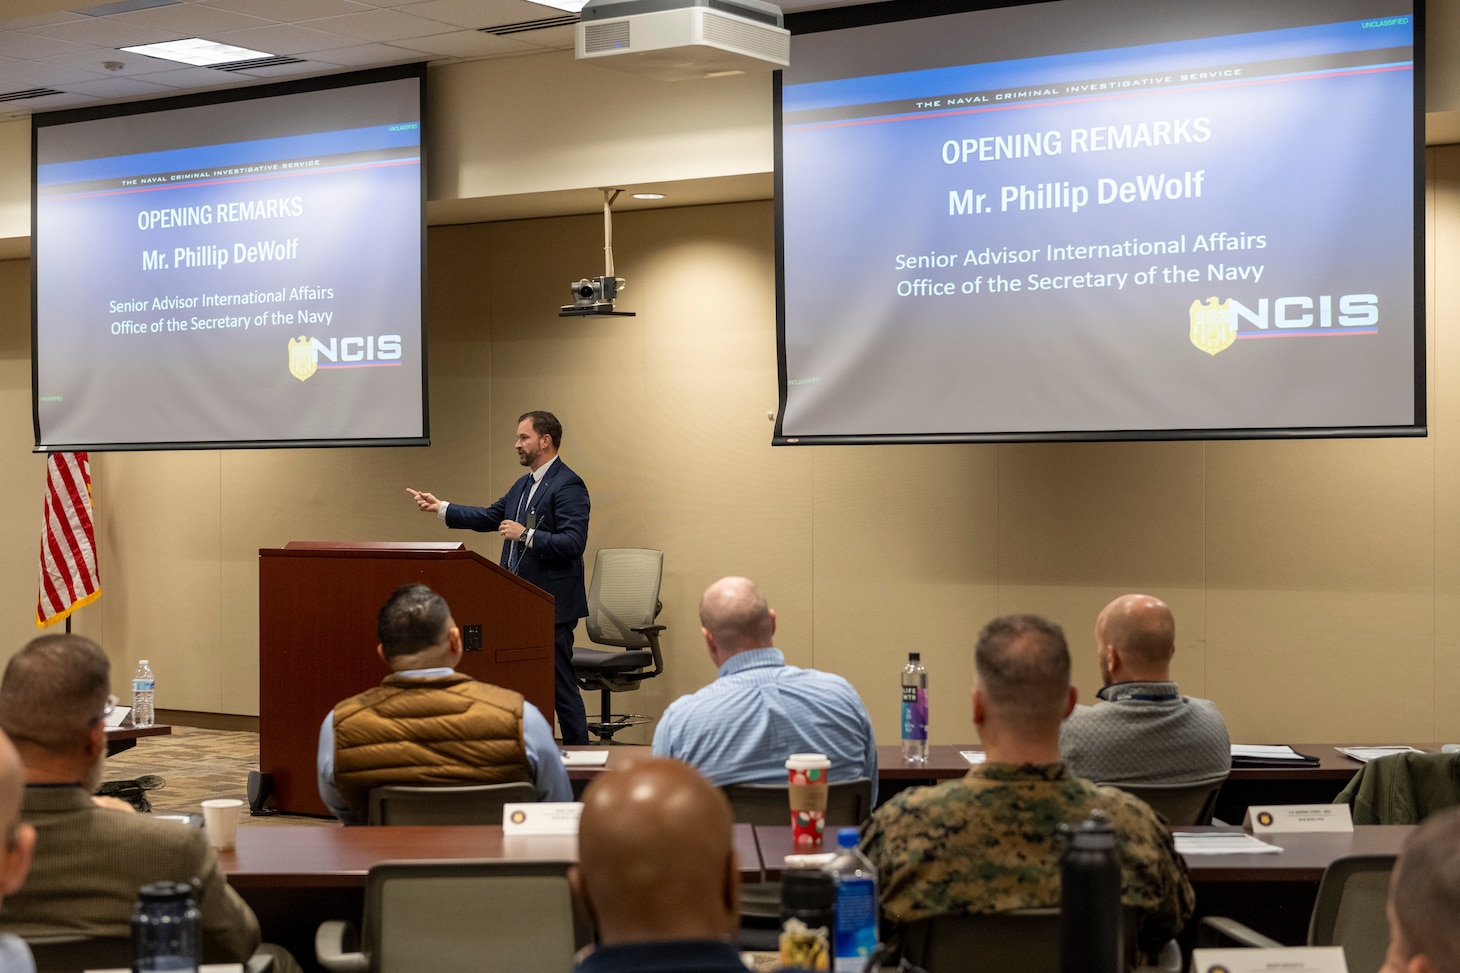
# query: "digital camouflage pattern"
{"points": [[988, 843]]}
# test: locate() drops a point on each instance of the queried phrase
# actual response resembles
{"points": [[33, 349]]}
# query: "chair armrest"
{"points": [[1214, 929], [259, 963], [646, 629], [1167, 961], [335, 943]]}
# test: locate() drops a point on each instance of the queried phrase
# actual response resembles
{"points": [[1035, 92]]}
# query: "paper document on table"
{"points": [[1221, 843], [1266, 752], [1364, 754], [585, 758], [973, 756]]}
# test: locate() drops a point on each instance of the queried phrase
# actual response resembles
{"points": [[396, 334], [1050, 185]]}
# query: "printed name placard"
{"points": [[1287, 818], [1297, 959], [548, 817]]}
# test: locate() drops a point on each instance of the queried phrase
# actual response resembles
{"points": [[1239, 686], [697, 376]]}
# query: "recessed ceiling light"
{"points": [[196, 50], [572, 6], [648, 195]]}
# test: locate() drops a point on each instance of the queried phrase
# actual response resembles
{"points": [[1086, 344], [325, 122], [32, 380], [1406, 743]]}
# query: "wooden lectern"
{"points": [[318, 603]]}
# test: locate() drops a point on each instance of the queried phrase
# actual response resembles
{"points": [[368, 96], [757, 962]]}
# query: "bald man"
{"points": [[1142, 730], [988, 842], [657, 872], [741, 728], [19, 844], [1424, 899]]}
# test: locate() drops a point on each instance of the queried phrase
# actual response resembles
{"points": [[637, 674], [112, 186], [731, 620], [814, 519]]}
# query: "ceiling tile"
{"points": [[118, 88], [290, 11], [468, 43], [282, 39], [551, 38], [48, 103], [365, 55], [382, 26], [16, 44], [183, 76], [105, 32], [463, 13], [37, 74], [90, 60], [39, 20], [191, 19]]}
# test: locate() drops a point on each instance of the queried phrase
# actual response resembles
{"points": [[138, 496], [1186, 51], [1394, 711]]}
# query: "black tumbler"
{"points": [[166, 933], [1090, 926]]}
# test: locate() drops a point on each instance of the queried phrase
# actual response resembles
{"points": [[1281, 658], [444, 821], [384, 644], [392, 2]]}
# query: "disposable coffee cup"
{"points": [[806, 775], [220, 821]]}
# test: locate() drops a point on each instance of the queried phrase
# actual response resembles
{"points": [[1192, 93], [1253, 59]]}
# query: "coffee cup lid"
{"points": [[807, 761]]}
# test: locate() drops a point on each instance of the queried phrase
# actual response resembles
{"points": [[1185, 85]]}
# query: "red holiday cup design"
{"points": [[807, 790]]}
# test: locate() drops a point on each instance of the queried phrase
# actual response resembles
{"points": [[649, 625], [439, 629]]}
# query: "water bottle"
{"points": [[144, 686], [914, 710], [855, 937], [165, 928], [1090, 926]]}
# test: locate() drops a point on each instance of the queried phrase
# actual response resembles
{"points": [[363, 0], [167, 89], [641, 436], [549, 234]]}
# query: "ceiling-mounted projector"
{"points": [[677, 40]]}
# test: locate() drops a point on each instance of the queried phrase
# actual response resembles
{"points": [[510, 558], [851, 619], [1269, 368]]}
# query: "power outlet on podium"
{"points": [[471, 638]]}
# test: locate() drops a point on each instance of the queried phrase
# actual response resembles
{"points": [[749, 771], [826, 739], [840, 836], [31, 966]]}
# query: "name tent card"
{"points": [[1292, 818], [547, 817], [1296, 959]]}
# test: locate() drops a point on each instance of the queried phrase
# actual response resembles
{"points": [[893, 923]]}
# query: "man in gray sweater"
{"points": [[1142, 730]]}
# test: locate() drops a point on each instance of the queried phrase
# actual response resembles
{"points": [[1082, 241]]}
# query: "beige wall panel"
{"points": [[546, 122], [906, 559], [15, 178], [1442, 254], [22, 473], [158, 521], [1306, 666]]}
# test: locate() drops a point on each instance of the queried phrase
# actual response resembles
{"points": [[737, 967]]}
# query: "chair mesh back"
{"points": [[848, 803], [1179, 804], [478, 804], [483, 917], [1026, 941], [624, 595], [1350, 910]]}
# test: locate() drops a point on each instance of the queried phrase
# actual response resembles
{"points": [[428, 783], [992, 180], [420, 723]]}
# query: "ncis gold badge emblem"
{"points": [[301, 357], [1213, 326]]}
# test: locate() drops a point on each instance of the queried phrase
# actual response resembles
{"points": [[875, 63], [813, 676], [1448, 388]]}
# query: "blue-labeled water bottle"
{"points": [[914, 710], [855, 936], [166, 929]]}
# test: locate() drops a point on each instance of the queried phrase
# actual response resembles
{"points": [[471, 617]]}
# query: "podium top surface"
{"points": [[357, 548]]}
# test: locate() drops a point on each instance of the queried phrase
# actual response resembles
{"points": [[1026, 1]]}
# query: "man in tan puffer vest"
{"points": [[428, 724]]}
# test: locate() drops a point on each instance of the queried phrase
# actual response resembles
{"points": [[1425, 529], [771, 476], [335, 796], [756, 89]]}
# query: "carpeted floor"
{"points": [[198, 765]]}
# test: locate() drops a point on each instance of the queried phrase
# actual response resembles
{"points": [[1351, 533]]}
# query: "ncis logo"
{"points": [[1215, 327], [308, 355]]}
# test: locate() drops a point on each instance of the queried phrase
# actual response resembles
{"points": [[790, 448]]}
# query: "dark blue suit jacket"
{"points": [[554, 562]]}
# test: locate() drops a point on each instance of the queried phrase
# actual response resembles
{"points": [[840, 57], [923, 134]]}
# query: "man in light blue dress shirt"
{"points": [[741, 728]]}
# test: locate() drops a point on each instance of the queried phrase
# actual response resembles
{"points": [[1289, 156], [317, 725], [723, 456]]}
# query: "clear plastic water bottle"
{"points": [[914, 710], [166, 928], [144, 686], [855, 937]]}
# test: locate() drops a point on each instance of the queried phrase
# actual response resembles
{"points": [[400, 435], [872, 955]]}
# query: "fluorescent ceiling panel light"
{"points": [[197, 51], [572, 6], [648, 195]]}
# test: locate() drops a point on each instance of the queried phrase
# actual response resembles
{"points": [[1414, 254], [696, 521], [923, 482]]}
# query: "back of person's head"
{"points": [[545, 424], [1023, 669], [19, 838], [656, 860], [1424, 900], [413, 620], [1141, 629], [54, 691], [736, 616]]}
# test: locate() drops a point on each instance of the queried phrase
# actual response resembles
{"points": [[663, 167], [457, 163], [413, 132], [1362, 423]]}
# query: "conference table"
{"points": [[120, 738]]}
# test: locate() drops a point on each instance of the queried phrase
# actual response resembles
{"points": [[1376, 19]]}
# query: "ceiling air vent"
{"points": [[610, 36], [29, 93], [567, 20], [258, 62]]}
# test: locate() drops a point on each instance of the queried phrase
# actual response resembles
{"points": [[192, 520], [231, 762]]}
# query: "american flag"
{"points": [[68, 542]]}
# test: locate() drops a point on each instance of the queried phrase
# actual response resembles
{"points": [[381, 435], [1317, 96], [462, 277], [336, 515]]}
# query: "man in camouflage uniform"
{"points": [[987, 842]]}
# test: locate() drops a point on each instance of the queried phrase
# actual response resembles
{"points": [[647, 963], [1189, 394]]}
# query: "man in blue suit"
{"points": [[543, 521]]}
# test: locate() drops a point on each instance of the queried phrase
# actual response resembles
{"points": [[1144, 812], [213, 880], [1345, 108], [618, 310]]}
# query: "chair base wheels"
{"points": [[606, 727]]}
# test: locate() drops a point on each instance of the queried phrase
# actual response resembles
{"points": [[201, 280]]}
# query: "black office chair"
{"points": [[623, 601], [471, 804], [1180, 804]]}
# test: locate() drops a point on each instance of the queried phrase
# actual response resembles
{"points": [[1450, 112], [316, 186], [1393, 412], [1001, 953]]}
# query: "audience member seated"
{"points": [[741, 728], [1143, 731], [1424, 900], [986, 843], [657, 872], [429, 725], [91, 857], [15, 862]]}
